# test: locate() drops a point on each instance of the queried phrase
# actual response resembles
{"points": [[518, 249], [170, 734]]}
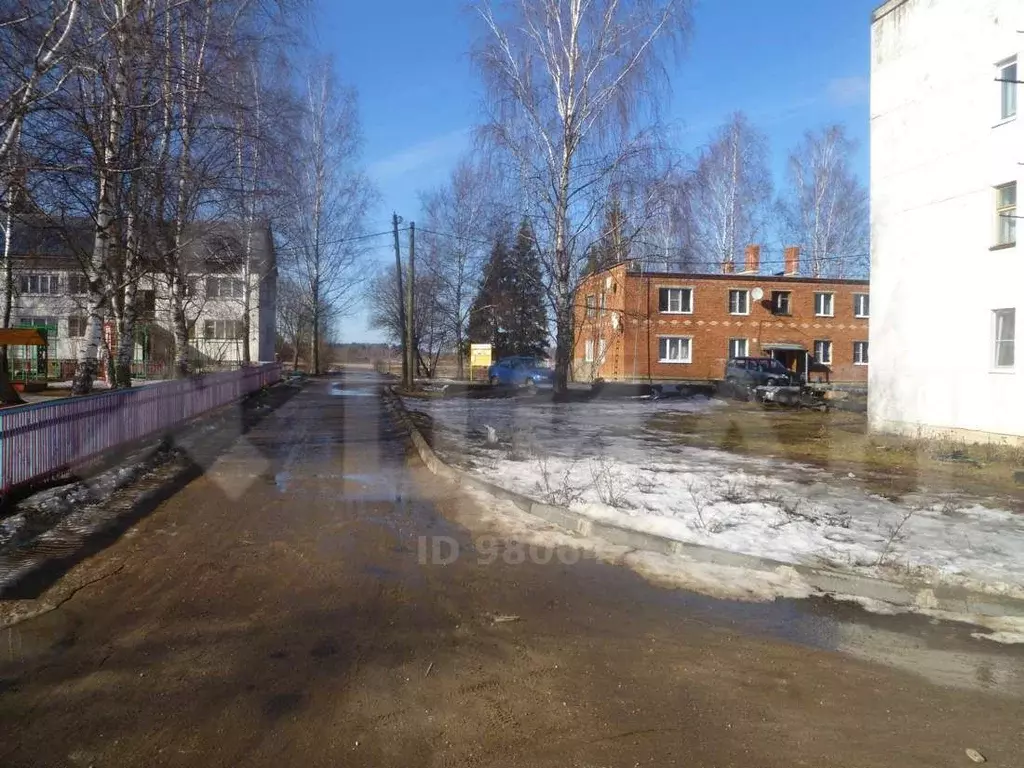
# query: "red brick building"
{"points": [[632, 323]]}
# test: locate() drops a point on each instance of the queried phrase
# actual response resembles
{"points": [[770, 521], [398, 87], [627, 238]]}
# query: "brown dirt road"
{"points": [[275, 612]]}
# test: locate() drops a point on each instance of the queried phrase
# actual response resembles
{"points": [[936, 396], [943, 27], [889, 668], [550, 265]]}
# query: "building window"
{"points": [[678, 301], [46, 322], [604, 303], [823, 351], [1008, 89], [145, 302], [674, 349], [1004, 332], [860, 353], [39, 285], [77, 284], [739, 302], [861, 305], [77, 325], [591, 304], [1006, 214], [223, 329], [823, 304], [602, 350], [588, 351], [737, 348], [780, 302], [223, 288]]}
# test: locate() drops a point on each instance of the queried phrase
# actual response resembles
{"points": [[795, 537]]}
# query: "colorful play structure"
{"points": [[27, 357]]}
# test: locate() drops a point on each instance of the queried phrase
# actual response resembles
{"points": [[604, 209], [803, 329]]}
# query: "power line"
{"points": [[453, 236], [342, 240], [657, 257]]}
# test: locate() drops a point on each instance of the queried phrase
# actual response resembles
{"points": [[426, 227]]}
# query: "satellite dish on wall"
{"points": [[757, 294]]}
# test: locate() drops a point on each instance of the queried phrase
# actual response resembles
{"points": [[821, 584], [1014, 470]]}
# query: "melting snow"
{"points": [[604, 460]]}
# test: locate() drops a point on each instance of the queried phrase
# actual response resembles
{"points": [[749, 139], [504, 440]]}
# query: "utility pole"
{"points": [[395, 221], [410, 310]]}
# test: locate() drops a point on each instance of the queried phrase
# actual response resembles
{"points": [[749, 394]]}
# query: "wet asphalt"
{"points": [[278, 610]]}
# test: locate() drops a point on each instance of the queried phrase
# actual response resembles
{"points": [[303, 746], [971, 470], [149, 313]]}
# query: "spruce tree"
{"points": [[487, 309], [527, 318], [509, 311]]}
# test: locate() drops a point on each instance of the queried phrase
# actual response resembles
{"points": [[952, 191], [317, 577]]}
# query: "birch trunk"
{"points": [[8, 395], [125, 349], [88, 355]]}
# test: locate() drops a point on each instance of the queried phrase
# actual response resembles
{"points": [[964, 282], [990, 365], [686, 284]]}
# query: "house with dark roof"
{"points": [[50, 292]]}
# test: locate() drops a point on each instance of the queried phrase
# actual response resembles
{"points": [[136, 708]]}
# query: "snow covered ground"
{"points": [[608, 461]]}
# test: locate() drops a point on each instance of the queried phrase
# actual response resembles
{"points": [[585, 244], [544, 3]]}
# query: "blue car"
{"points": [[520, 372]]}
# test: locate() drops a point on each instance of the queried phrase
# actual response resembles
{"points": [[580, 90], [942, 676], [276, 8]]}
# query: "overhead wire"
{"points": [[343, 240]]}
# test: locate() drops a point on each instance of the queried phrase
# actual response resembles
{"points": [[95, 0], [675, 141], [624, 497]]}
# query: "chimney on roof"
{"points": [[753, 260], [792, 260], [728, 267]]}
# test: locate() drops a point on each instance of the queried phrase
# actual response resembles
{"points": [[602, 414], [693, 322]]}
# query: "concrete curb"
{"points": [[909, 595]]}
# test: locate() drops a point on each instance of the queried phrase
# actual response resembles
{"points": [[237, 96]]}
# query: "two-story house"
{"points": [[634, 322], [50, 292]]}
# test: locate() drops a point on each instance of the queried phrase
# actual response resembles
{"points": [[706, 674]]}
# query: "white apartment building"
{"points": [[50, 293], [947, 271]]}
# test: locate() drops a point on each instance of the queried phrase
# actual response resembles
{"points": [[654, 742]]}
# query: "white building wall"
{"points": [[262, 325], [937, 151]]}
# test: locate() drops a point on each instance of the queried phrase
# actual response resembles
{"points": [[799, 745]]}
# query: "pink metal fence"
{"points": [[46, 439]]}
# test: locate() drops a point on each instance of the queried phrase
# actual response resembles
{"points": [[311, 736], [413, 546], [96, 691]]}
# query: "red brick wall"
{"points": [[633, 348]]}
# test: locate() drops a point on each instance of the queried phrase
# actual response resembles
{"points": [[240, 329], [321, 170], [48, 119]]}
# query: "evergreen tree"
{"points": [[509, 310], [487, 309], [527, 317]]}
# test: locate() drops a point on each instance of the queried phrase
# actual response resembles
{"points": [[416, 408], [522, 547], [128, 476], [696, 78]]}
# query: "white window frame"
{"points": [[82, 321], [819, 306], [861, 353], [857, 310], [1006, 223], [588, 351], [51, 323], [81, 280], [998, 327], [1008, 91], [826, 344], [789, 303], [221, 327], [735, 342], [32, 284], [746, 300], [224, 287], [664, 351], [688, 291]]}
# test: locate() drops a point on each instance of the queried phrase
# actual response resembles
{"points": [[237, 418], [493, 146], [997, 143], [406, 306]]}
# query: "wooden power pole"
{"points": [[395, 221], [410, 309]]}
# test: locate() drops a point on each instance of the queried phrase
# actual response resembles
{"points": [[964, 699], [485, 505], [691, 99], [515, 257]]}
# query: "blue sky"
{"points": [[791, 65]]}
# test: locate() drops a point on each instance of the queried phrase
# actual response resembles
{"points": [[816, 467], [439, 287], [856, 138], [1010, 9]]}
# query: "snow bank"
{"points": [[603, 460]]}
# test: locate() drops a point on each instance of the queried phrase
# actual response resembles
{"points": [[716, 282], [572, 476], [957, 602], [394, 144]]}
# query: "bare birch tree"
{"points": [[825, 208], [572, 85], [461, 217], [293, 318], [731, 194], [431, 322], [329, 199], [34, 36]]}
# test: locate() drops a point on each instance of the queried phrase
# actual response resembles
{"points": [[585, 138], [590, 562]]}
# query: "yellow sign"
{"points": [[479, 355]]}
